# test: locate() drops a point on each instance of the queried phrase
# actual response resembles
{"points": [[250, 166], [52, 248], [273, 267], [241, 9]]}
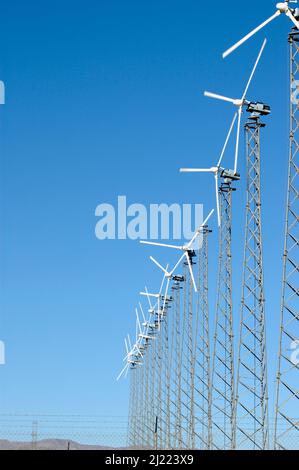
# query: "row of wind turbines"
{"points": [[149, 322]]}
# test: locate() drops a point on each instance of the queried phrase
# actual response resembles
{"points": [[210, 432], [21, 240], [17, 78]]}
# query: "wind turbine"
{"points": [[186, 249], [282, 7], [239, 103], [215, 170], [131, 358], [158, 298]]}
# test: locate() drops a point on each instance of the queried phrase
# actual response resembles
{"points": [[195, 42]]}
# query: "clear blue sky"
{"points": [[104, 98]]}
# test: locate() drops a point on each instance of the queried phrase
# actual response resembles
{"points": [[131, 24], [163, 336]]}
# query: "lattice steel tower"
{"points": [[202, 356], [223, 382], [287, 402], [252, 428]]}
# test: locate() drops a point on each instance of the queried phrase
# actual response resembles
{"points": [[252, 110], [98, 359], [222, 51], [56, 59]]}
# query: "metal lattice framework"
{"points": [[287, 403], [202, 359], [170, 393], [252, 390], [223, 382]]}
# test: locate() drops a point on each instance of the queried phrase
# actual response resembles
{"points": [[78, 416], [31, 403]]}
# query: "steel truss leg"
{"points": [[202, 385], [287, 400], [223, 384], [252, 387]]}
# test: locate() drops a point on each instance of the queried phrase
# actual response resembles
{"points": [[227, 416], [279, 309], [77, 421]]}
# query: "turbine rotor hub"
{"points": [[283, 7]]}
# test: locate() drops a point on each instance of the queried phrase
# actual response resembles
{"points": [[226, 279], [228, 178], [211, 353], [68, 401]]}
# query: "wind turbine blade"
{"points": [[249, 35], [138, 322], [161, 244], [123, 371], [292, 18], [238, 140], [126, 346], [146, 294], [126, 373], [227, 139], [142, 312], [129, 343], [198, 230], [191, 271], [177, 265], [137, 347], [148, 299], [219, 97], [254, 69], [208, 218], [165, 296], [159, 313], [162, 283], [196, 170], [159, 265], [217, 199]]}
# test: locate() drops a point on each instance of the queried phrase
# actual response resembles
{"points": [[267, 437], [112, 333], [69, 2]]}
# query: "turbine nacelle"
{"points": [[230, 175], [146, 337]]}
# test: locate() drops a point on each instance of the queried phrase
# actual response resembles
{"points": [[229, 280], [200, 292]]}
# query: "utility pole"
{"points": [[287, 398], [252, 426]]}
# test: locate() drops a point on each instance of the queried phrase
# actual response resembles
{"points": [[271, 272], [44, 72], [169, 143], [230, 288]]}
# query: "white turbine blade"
{"points": [[159, 265], [238, 140], [252, 33], [197, 170], [254, 69], [147, 294], [217, 199], [165, 296], [227, 139], [162, 283], [126, 373], [136, 346], [177, 265], [142, 312], [129, 343], [126, 346], [198, 230], [207, 218], [159, 313], [292, 18], [191, 271], [138, 322], [219, 97], [148, 299], [123, 371], [161, 244]]}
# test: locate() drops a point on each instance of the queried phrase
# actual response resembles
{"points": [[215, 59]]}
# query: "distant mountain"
{"points": [[49, 444]]}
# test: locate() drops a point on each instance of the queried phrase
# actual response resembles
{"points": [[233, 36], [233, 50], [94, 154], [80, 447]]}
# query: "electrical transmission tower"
{"points": [[287, 401], [223, 383], [252, 391]]}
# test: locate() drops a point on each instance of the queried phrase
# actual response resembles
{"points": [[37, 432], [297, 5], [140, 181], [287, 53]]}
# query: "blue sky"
{"points": [[105, 98]]}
